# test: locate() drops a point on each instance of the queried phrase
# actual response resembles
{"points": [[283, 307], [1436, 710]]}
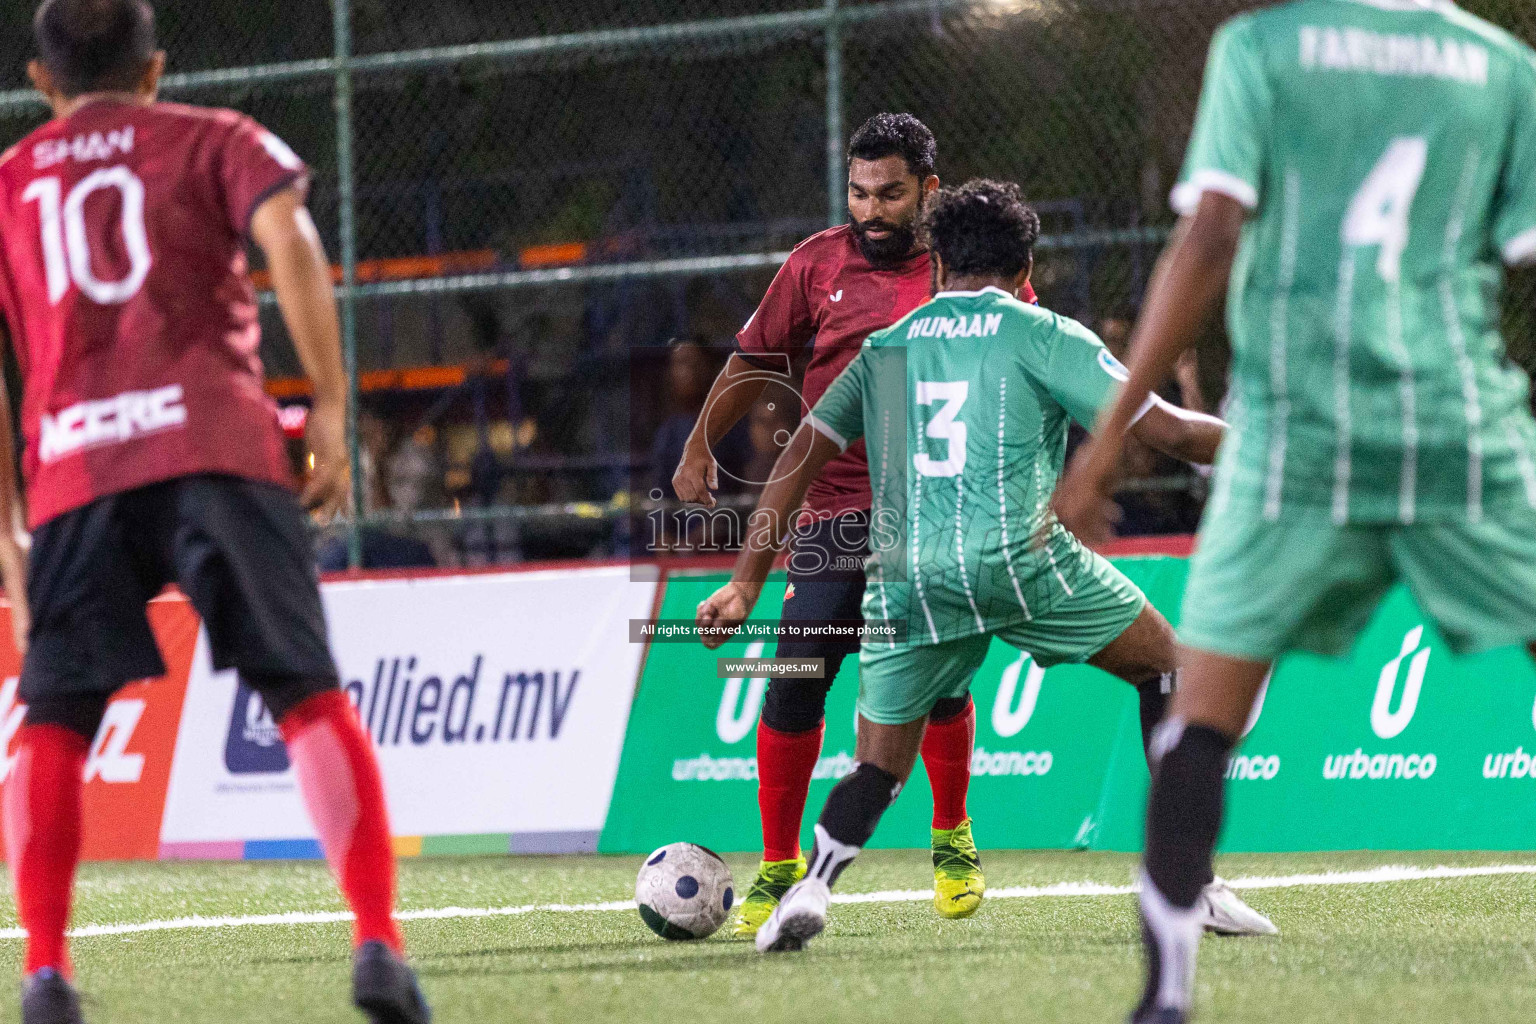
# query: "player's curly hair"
{"points": [[982, 228], [896, 135], [95, 45]]}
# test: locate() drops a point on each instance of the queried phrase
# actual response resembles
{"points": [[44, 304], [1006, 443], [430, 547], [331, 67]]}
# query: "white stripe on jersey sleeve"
{"points": [[821, 427], [280, 151], [1521, 249], [1152, 402], [1186, 197]]}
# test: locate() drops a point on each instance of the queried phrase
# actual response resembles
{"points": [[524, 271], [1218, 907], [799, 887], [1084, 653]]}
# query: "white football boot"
{"points": [[1224, 912], [800, 916]]}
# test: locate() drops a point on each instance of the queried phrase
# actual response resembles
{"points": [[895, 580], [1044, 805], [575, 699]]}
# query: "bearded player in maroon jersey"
{"points": [[837, 288], [153, 456]]}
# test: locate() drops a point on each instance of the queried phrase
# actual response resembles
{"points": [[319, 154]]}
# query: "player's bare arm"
{"points": [[734, 392], [1190, 279], [301, 275], [1182, 433], [13, 554], [801, 462]]}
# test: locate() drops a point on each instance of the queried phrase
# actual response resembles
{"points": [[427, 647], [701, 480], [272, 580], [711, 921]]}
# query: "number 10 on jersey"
{"points": [[67, 245]]}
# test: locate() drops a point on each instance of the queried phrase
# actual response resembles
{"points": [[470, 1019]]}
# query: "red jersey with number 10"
{"points": [[124, 282], [827, 292]]}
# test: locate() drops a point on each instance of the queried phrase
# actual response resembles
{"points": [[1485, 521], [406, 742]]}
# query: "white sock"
{"points": [[1177, 933], [829, 857]]}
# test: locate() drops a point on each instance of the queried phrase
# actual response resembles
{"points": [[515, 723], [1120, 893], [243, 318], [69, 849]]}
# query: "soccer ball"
{"points": [[684, 892]]}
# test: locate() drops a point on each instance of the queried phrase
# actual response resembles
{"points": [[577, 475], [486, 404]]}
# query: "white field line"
{"points": [[1370, 876]]}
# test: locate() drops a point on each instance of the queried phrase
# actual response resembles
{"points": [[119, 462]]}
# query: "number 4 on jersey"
{"points": [[1378, 215]]}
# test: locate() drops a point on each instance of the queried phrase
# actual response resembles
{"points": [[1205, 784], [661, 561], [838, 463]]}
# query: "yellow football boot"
{"points": [[958, 884], [773, 880]]}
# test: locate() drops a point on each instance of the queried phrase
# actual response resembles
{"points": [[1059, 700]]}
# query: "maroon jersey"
{"points": [[123, 279], [828, 291]]}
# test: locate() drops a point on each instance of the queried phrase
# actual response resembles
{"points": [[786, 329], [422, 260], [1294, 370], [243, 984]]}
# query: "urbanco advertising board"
{"points": [[1397, 746]]}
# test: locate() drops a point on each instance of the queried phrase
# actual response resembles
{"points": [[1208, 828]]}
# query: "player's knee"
{"points": [[794, 705], [1144, 653], [80, 714], [949, 708]]}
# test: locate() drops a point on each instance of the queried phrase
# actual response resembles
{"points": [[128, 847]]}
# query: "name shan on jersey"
{"points": [[1378, 53], [110, 421], [83, 148], [974, 326]]}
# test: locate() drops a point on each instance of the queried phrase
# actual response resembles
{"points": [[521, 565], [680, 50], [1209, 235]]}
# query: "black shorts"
{"points": [[826, 570], [238, 549]]}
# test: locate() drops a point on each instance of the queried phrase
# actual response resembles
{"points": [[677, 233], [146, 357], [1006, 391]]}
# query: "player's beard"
{"points": [[894, 247]]}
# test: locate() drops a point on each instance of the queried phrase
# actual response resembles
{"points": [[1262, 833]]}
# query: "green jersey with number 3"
{"points": [[964, 406], [1387, 151]]}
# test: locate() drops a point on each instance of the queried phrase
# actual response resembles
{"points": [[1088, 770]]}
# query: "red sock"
{"points": [[785, 761], [339, 777], [42, 836], [947, 756]]}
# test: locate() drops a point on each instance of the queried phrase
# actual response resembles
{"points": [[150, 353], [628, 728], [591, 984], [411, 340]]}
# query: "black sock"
{"points": [[1184, 810], [852, 811], [1154, 693]]}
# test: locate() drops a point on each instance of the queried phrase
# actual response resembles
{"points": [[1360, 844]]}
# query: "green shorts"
{"points": [[901, 685], [1258, 589]]}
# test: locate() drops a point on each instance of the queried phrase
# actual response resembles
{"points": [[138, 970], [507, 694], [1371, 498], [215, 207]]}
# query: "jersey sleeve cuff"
{"points": [[1186, 196], [298, 177], [1521, 249], [821, 427], [769, 362]]}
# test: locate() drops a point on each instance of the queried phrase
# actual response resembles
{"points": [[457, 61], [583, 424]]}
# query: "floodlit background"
{"points": [[538, 199]]}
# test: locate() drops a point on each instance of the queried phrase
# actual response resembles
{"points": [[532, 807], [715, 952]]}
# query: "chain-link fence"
{"points": [[529, 201]]}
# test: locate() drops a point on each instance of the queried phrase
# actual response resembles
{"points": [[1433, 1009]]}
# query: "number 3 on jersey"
{"points": [[1378, 215], [944, 426], [67, 246]]}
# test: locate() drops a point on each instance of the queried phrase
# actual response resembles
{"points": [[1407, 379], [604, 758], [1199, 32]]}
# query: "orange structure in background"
{"points": [[408, 268]]}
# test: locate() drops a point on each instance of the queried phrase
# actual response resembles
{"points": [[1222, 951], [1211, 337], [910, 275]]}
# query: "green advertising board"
{"points": [[1398, 746]]}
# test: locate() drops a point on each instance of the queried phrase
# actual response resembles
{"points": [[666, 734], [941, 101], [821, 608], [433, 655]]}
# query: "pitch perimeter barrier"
{"points": [[1397, 747], [506, 714], [497, 703]]}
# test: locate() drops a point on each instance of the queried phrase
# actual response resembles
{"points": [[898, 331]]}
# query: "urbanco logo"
{"points": [[1258, 703], [735, 718], [1013, 708], [1255, 766], [1385, 722]]}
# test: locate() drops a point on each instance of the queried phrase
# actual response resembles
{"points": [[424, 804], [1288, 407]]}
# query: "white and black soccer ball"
{"points": [[684, 891]]}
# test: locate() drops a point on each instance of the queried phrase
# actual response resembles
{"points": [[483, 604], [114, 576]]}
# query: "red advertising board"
{"points": [[129, 767]]}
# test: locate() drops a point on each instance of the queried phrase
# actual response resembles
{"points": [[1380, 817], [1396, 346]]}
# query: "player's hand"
{"points": [[1084, 499], [330, 471], [13, 573], [697, 475], [721, 614]]}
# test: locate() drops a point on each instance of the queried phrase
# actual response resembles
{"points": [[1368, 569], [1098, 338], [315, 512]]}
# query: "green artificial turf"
{"points": [[1423, 951]]}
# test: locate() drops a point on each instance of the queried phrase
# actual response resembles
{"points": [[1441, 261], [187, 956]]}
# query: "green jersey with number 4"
{"points": [[963, 406], [1387, 149]]}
